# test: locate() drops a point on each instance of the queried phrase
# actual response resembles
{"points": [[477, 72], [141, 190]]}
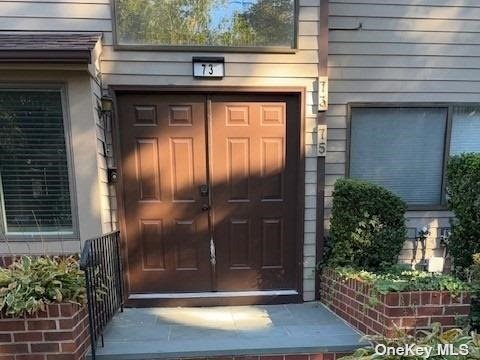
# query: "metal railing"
{"points": [[101, 262]]}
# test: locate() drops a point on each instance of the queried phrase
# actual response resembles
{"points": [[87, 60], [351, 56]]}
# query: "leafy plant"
{"points": [[367, 226], [463, 188], [397, 279], [474, 279], [476, 267], [430, 341], [30, 283]]}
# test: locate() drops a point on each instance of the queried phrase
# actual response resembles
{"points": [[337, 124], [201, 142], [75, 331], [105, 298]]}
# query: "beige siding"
{"points": [[399, 51], [70, 16], [104, 160], [174, 68]]}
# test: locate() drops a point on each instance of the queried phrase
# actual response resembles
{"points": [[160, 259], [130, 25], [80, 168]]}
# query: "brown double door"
{"points": [[210, 192]]}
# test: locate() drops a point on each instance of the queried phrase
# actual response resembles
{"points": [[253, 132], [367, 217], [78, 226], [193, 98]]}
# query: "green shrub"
{"points": [[367, 226], [474, 279], [463, 188], [474, 271], [460, 340], [398, 279], [29, 284]]}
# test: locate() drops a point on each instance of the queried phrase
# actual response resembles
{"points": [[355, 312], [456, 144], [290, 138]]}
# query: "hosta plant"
{"points": [[460, 344], [30, 283], [399, 278]]}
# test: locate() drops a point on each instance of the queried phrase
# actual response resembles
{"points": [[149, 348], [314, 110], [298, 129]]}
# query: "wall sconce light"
{"points": [[107, 103], [104, 106]]}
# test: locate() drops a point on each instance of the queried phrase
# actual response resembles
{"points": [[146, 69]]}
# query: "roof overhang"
{"points": [[46, 56], [48, 48]]}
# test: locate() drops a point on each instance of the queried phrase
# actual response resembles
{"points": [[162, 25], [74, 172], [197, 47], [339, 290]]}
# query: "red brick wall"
{"points": [[60, 333], [7, 260], [319, 356], [351, 300]]}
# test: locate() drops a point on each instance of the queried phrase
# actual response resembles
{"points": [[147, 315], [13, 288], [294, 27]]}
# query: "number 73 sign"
{"points": [[208, 67]]}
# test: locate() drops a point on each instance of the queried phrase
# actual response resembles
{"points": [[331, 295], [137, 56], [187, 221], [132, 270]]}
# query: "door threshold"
{"points": [[212, 294]]}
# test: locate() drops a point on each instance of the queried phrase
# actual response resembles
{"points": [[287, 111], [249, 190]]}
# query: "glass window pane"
{"points": [[401, 149], [230, 23], [465, 130], [34, 182]]}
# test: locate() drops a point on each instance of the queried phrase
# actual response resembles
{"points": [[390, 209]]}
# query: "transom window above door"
{"points": [[34, 177], [207, 24], [405, 148]]}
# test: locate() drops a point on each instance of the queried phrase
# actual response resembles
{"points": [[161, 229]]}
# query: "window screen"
{"points": [[401, 149], [465, 130], [225, 23], [34, 181]]}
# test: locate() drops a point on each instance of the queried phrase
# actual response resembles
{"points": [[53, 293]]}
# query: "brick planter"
{"points": [[60, 333], [275, 356], [351, 300]]}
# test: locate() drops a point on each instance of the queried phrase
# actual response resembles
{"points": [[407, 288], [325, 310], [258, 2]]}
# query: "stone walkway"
{"points": [[154, 333]]}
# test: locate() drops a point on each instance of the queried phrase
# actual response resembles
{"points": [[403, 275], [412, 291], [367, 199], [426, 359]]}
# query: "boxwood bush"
{"points": [[463, 189], [367, 226]]}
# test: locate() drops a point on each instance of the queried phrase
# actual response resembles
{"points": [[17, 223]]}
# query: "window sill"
{"points": [[427, 208], [42, 238], [209, 49]]}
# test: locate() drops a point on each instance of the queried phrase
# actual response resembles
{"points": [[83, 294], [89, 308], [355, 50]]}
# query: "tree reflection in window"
{"points": [[229, 23]]}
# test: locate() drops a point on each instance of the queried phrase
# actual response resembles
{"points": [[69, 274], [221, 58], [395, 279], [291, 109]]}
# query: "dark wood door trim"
{"points": [[321, 120], [209, 90], [120, 194], [299, 92]]}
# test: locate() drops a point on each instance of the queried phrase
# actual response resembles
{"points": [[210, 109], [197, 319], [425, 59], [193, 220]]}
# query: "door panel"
{"points": [[163, 150], [253, 170]]}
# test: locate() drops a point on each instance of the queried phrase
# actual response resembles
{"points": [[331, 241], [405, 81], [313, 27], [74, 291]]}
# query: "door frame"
{"points": [[299, 92]]}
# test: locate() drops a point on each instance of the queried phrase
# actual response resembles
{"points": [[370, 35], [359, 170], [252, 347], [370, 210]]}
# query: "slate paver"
{"points": [[188, 332]]}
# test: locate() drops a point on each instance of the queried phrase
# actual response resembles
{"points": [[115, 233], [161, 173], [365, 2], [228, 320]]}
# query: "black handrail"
{"points": [[101, 262]]}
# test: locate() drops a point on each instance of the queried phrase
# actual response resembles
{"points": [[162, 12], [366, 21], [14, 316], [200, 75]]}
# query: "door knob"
{"points": [[205, 207]]}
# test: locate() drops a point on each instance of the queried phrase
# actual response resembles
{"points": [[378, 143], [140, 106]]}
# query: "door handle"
{"points": [[205, 207]]}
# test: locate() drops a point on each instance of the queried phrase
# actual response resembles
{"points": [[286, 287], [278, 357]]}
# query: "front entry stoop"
{"points": [[306, 331]]}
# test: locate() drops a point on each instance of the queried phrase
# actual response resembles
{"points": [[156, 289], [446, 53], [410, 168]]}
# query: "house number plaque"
{"points": [[208, 67], [321, 140]]}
